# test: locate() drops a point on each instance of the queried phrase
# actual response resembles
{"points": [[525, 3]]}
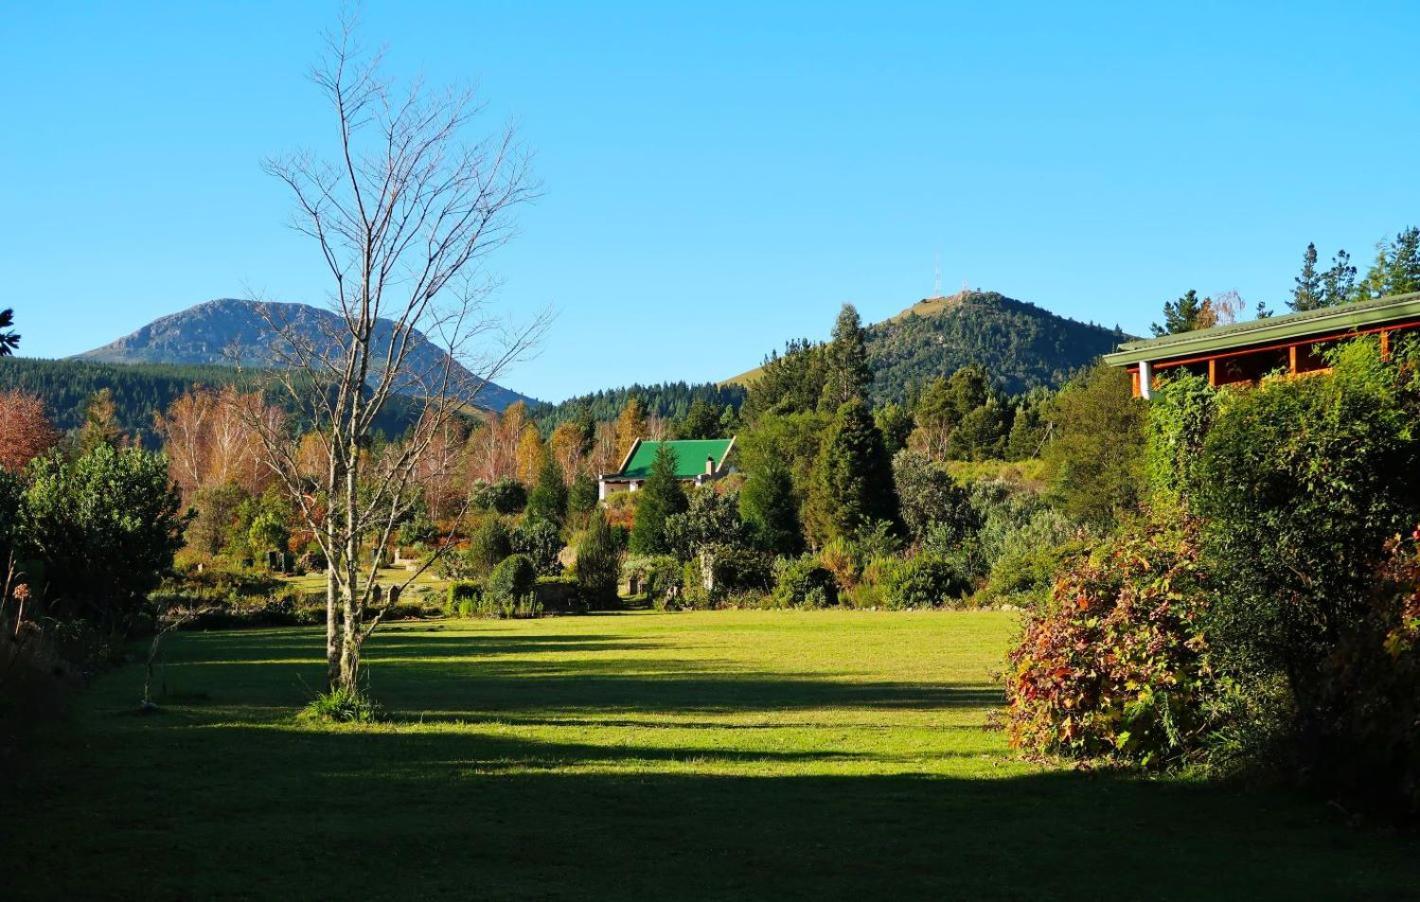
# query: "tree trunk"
{"points": [[332, 646]]}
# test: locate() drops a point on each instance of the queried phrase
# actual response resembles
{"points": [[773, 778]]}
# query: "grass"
{"points": [[722, 755]]}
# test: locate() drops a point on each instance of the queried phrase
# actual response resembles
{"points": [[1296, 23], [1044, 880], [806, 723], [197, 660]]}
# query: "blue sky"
{"points": [[718, 178]]}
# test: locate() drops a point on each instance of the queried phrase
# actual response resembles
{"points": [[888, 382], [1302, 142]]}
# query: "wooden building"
{"points": [[1286, 345]]}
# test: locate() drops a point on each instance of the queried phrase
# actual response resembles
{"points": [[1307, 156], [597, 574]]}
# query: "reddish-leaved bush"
{"points": [[1116, 664]]}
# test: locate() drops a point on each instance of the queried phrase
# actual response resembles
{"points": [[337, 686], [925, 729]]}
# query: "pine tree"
{"points": [[548, 499], [659, 497], [9, 340], [1307, 293], [770, 510], [1403, 273], [1338, 284], [100, 423], [598, 563], [1182, 315], [848, 375], [851, 486], [701, 421]]}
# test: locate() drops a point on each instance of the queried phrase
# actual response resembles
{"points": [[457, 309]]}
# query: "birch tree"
{"points": [[403, 214]]}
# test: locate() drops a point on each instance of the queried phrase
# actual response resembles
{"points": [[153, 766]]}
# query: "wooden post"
{"points": [[1213, 372], [1292, 360], [1385, 344], [1134, 382]]}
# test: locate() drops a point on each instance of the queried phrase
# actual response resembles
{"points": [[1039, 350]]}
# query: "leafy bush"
{"points": [[541, 542], [924, 581], [659, 577], [506, 496], [107, 526], [1370, 695], [724, 571], [510, 587], [1300, 485], [1117, 665], [1030, 555], [464, 597], [803, 582], [487, 547], [930, 498]]}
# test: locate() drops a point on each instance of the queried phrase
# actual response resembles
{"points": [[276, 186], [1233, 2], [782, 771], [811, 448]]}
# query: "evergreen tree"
{"points": [[548, 499], [9, 340], [1182, 315], [100, 423], [1307, 294], [702, 420], [789, 383], [598, 563], [582, 496], [852, 486], [894, 421], [769, 509], [1338, 284], [1403, 271], [659, 497], [848, 375]]}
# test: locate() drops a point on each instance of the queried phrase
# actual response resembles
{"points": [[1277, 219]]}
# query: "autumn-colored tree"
{"points": [[493, 446], [210, 439], [630, 426], [570, 443], [438, 469], [25, 430], [532, 453]]}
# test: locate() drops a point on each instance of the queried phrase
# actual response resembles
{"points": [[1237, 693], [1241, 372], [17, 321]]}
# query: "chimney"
{"points": [[709, 466]]}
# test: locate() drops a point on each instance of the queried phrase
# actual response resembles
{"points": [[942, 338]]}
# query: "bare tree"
{"points": [[404, 215]]}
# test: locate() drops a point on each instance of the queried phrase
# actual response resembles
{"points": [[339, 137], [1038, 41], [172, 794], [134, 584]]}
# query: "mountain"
{"points": [[1019, 344], [230, 331]]}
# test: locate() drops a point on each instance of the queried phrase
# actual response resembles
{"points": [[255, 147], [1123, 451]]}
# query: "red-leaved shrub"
{"points": [[1116, 665]]}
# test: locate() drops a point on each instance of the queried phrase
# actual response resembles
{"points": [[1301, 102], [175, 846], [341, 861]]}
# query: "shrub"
{"points": [[510, 586], [1301, 483], [659, 577], [924, 581], [598, 563], [1029, 557], [930, 498], [487, 547], [506, 496], [1117, 665], [464, 597], [1370, 695], [342, 706], [541, 542], [107, 526], [803, 582]]}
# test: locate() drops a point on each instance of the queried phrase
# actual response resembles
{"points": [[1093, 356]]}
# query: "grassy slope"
{"points": [[721, 755]]}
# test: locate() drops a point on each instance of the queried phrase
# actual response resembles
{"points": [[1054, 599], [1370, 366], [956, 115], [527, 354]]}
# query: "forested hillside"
{"points": [[140, 391], [669, 401], [1021, 345]]}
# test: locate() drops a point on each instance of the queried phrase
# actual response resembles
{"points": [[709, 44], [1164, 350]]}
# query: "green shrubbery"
{"points": [[510, 590], [1279, 629], [803, 582]]}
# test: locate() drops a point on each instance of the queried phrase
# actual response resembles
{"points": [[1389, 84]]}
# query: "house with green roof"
{"points": [[697, 461], [1292, 345]]}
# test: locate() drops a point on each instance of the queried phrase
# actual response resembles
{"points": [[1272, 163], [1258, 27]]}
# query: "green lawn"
{"points": [[720, 755]]}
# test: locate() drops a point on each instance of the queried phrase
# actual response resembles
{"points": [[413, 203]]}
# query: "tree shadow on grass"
{"points": [[232, 811]]}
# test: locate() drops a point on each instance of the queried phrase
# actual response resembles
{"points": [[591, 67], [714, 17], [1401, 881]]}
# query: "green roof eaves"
{"points": [[1355, 315]]}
